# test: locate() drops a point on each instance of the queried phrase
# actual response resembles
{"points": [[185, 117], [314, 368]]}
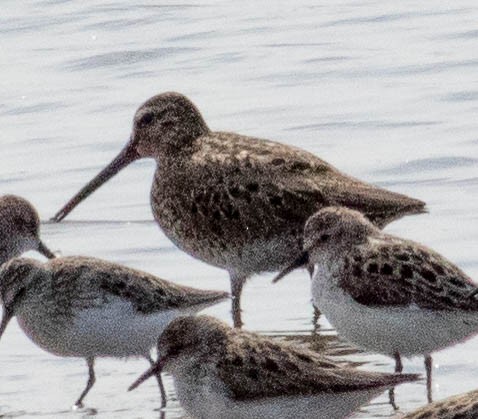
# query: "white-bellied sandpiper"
{"points": [[226, 373], [88, 308], [383, 293]]}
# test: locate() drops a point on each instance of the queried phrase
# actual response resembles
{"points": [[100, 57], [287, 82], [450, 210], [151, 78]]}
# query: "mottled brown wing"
{"points": [[395, 272], [463, 406], [89, 277], [293, 182], [253, 368]]}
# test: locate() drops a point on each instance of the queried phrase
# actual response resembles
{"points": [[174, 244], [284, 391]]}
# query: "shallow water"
{"points": [[386, 91]]}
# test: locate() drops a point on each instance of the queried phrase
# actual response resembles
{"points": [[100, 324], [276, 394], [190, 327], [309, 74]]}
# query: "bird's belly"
{"points": [[408, 330], [44, 332], [114, 329], [206, 400]]}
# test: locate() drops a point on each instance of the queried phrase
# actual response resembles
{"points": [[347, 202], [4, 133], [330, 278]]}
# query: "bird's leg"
{"points": [[315, 320], [317, 313], [162, 390], [398, 362], [428, 369], [91, 381], [237, 282], [398, 370]]}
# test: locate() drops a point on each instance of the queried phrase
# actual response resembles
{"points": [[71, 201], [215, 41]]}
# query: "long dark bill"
{"points": [[45, 251], [7, 316], [125, 157], [153, 370], [300, 262]]}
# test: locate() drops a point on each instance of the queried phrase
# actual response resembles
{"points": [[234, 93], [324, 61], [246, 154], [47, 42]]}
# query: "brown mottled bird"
{"points": [[19, 228], [461, 406], [220, 372], [236, 202]]}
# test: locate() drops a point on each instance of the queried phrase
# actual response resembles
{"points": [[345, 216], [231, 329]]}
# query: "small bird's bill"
{"points": [[45, 251], [300, 262], [123, 159], [473, 293], [154, 370], [6, 317]]}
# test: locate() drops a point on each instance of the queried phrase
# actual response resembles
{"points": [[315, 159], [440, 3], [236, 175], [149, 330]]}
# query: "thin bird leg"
{"points": [[91, 381], [317, 313], [237, 282], [398, 362], [160, 382], [315, 320], [398, 370], [310, 269], [428, 369]]}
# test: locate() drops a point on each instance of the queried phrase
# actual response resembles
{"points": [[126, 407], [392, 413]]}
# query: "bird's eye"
{"points": [[324, 237], [145, 119]]}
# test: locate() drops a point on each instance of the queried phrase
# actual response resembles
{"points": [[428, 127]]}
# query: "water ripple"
{"points": [[429, 164], [125, 58]]}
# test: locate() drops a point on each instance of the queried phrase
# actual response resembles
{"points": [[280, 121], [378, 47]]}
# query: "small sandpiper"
{"points": [[226, 373], [19, 229], [88, 308], [461, 406], [383, 293], [239, 203]]}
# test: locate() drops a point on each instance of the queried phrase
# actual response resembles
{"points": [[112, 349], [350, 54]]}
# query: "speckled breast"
{"points": [[222, 223]]}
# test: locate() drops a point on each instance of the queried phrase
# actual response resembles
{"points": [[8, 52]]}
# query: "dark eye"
{"points": [[324, 237], [145, 119]]}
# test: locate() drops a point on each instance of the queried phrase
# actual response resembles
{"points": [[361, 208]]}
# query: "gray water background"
{"points": [[386, 91]]}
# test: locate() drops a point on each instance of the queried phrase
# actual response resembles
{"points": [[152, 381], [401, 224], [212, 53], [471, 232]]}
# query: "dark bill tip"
{"points": [[300, 262], [45, 251], [123, 159], [155, 369], [6, 317]]}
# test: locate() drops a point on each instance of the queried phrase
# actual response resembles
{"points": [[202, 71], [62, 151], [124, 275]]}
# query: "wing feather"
{"points": [[396, 272]]}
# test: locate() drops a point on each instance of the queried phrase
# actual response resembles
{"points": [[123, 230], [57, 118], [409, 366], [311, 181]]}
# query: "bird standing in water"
{"points": [[239, 203]]}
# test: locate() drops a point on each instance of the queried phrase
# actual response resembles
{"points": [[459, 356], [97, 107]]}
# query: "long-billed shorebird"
{"points": [[461, 406], [88, 308], [236, 202], [226, 373], [19, 229], [383, 293]]}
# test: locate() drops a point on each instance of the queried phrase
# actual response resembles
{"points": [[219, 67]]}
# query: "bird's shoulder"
{"points": [[390, 271], [102, 279], [254, 368], [250, 154]]}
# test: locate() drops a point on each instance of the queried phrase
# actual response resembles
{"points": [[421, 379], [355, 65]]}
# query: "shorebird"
{"points": [[226, 373], [88, 308], [383, 293], [461, 406], [19, 229], [239, 203]]}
